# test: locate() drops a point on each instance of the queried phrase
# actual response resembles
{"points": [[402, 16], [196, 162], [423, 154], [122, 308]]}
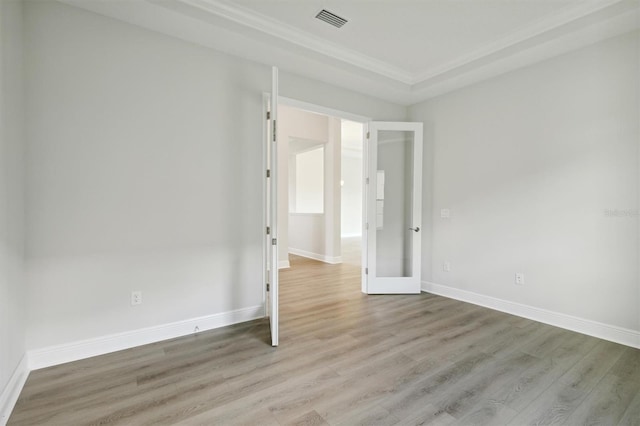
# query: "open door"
{"points": [[394, 208], [271, 209]]}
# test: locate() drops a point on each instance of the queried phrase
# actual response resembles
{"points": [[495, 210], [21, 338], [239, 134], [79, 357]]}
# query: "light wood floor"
{"points": [[347, 358]]}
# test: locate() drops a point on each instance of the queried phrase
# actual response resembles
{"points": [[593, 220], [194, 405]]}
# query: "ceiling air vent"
{"points": [[331, 18]]}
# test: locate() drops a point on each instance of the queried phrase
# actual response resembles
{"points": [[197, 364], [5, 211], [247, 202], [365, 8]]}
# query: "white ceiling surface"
{"points": [[404, 51], [415, 36]]}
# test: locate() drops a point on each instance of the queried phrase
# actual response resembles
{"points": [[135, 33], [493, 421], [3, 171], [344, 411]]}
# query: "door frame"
{"points": [[318, 109]]}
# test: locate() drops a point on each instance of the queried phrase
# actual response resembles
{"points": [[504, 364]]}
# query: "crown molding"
{"points": [[555, 32], [565, 16], [262, 23], [290, 34], [225, 27], [490, 67]]}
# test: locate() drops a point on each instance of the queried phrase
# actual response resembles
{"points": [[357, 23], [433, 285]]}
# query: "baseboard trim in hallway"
{"points": [[60, 354], [612, 333], [333, 260]]}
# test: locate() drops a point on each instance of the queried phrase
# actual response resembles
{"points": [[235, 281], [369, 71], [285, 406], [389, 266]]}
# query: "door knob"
{"points": [[416, 229]]}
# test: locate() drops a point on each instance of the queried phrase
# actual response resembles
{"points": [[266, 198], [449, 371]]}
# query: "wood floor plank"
{"points": [[631, 416], [422, 391], [607, 402], [312, 418], [488, 413], [543, 344], [428, 415], [532, 382], [475, 389], [562, 398], [346, 358]]}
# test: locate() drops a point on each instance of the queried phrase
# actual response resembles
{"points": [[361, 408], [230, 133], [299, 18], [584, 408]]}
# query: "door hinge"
{"points": [[274, 241], [267, 286], [268, 173], [366, 272], [368, 135], [274, 131], [268, 115], [367, 226], [367, 181], [268, 230]]}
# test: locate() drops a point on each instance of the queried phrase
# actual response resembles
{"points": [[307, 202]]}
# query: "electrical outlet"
{"points": [[446, 266], [445, 213], [136, 298], [519, 278]]}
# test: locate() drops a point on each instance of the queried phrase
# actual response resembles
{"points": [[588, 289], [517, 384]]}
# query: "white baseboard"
{"points": [[284, 264], [612, 333], [316, 256], [60, 354], [12, 390]]}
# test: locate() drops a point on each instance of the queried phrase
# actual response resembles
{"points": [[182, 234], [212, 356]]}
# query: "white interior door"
{"points": [[394, 207], [271, 210]]}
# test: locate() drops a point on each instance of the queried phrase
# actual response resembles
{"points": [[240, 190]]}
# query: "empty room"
{"points": [[322, 212]]}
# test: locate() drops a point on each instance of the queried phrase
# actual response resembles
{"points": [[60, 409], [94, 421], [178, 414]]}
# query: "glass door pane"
{"points": [[394, 204], [394, 195]]}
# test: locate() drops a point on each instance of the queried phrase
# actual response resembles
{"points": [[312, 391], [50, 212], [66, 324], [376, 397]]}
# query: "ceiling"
{"points": [[412, 36], [404, 51]]}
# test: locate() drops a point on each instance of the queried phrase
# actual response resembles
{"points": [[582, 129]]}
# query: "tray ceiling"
{"points": [[403, 51]]}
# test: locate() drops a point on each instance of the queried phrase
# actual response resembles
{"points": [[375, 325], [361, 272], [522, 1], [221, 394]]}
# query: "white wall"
{"points": [[144, 173], [528, 162], [351, 164], [307, 183], [333, 172], [314, 235], [307, 235], [351, 205], [12, 288]]}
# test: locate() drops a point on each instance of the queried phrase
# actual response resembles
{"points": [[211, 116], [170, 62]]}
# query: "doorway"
{"points": [[311, 219], [321, 183], [321, 187]]}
